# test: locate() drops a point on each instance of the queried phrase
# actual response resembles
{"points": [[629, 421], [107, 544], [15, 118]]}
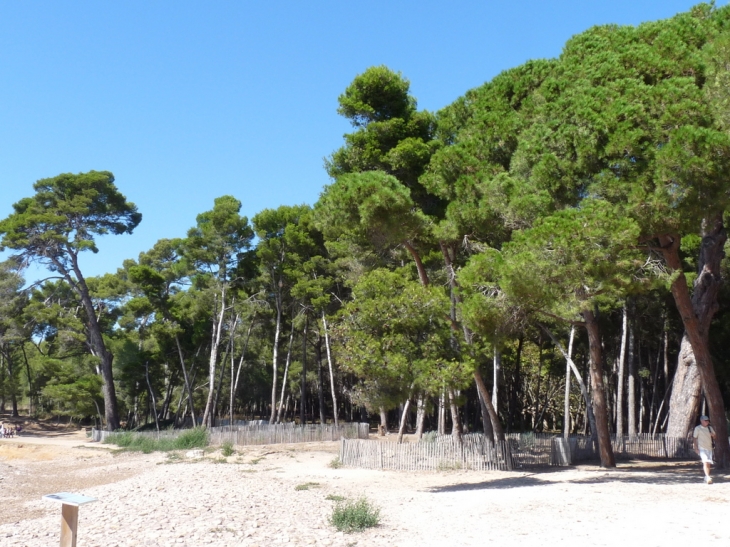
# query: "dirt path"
{"points": [[252, 500]]}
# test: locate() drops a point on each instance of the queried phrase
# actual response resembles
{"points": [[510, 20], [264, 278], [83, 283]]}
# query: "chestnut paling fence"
{"points": [[263, 433], [517, 451]]}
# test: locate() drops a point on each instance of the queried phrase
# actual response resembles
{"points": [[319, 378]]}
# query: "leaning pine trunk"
{"points": [[566, 404], [329, 363], [404, 415], [697, 311], [686, 395], [599, 394]]}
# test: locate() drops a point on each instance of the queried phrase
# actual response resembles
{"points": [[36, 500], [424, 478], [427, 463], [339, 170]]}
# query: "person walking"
{"points": [[703, 435]]}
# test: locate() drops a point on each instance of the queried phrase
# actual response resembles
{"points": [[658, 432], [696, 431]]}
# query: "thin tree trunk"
{"points": [[486, 419], [420, 416], [234, 390], [320, 381], [620, 379], [599, 392], [188, 386], [631, 387], [383, 420], [579, 378], [213, 361], [441, 429], [566, 404], [329, 364], [286, 373], [404, 415], [303, 391], [152, 394], [497, 360], [275, 359]]}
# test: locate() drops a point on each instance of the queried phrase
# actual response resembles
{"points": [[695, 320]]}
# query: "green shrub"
{"points": [[137, 442], [353, 516], [336, 463], [227, 449]]}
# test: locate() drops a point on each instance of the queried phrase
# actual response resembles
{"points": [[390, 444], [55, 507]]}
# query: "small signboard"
{"points": [[68, 498]]}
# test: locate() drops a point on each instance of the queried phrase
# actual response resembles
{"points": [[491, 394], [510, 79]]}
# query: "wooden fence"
{"points": [[258, 434], [518, 451], [287, 433], [433, 456]]}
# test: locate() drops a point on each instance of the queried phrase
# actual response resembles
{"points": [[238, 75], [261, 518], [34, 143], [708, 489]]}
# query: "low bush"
{"points": [[227, 449], [138, 442], [353, 516]]}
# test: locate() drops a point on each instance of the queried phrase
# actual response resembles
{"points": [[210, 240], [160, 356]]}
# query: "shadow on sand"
{"points": [[659, 473]]}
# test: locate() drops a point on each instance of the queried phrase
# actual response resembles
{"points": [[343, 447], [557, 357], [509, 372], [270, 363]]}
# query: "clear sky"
{"points": [[187, 101]]}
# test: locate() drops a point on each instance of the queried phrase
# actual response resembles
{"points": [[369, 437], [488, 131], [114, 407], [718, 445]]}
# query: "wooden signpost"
{"points": [[69, 514]]}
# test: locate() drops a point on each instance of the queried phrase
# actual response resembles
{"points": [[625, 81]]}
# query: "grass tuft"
{"points": [[306, 486], [335, 497], [336, 463], [353, 516]]}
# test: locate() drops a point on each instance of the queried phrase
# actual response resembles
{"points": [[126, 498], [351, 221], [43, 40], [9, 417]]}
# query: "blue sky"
{"points": [[186, 101]]}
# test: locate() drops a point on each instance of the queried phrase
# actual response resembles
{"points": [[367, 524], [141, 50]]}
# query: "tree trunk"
{"points": [[111, 410], [697, 311], [186, 377], [441, 429], [566, 404], [494, 418], [599, 392], [152, 395], [455, 421], [620, 379], [329, 364], [320, 382], [497, 368], [403, 416], [303, 391], [686, 397], [486, 419], [631, 387], [420, 416], [286, 374], [275, 358], [234, 388], [213, 361]]}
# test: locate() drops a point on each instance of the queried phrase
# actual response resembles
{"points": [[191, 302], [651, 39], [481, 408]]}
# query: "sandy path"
{"points": [[251, 501]]}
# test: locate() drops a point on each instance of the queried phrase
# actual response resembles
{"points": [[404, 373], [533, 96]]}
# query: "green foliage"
{"points": [[355, 515], [336, 463], [139, 442], [227, 449], [65, 215]]}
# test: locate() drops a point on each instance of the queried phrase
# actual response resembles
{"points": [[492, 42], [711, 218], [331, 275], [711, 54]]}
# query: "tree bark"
{"points": [[403, 416], [620, 379], [213, 361], [111, 410], [420, 416], [686, 397], [697, 311], [286, 373], [275, 358], [497, 368], [599, 393], [303, 391], [484, 392], [631, 386], [455, 421], [566, 404], [320, 381], [329, 364]]}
